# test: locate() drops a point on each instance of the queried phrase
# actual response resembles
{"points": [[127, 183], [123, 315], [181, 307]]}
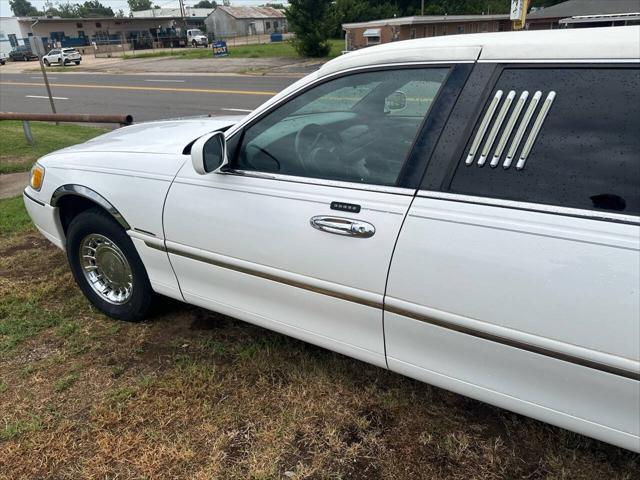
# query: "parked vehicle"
{"points": [[196, 38], [3, 58], [176, 38], [62, 56], [22, 53], [463, 210]]}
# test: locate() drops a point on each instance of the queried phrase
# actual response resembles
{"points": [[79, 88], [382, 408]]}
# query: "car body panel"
{"points": [[533, 311], [310, 266]]}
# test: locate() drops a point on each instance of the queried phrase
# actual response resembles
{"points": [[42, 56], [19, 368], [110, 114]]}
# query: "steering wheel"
{"points": [[313, 143]]}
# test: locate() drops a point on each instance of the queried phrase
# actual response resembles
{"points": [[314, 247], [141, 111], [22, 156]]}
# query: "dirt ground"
{"points": [[194, 394], [12, 184], [169, 65]]}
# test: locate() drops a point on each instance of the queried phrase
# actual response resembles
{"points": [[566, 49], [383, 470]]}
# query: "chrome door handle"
{"points": [[343, 226]]}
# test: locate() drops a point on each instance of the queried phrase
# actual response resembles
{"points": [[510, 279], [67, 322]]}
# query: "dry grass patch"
{"points": [[194, 394]]}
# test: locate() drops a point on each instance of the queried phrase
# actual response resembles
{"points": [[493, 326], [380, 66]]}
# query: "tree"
{"points": [[93, 8], [137, 5], [205, 4], [23, 8], [89, 9], [312, 23]]}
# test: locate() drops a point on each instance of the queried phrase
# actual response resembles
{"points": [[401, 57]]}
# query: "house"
{"points": [[12, 34], [577, 13], [240, 21], [364, 34]]}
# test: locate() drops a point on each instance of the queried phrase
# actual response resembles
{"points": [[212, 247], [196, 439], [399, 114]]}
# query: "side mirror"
{"points": [[396, 101], [209, 153]]}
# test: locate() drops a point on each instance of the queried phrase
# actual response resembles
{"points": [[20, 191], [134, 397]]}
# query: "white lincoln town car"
{"points": [[462, 210]]}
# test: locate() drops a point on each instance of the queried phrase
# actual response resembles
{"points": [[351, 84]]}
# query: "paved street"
{"points": [[145, 96]]}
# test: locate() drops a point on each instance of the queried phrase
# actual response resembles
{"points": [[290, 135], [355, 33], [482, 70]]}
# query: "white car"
{"points": [[62, 56], [463, 210]]}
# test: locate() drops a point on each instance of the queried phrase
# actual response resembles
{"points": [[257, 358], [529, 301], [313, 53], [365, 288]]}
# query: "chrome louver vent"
{"points": [[494, 124]]}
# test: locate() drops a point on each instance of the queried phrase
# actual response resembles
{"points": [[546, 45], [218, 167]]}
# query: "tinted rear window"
{"points": [[587, 152]]}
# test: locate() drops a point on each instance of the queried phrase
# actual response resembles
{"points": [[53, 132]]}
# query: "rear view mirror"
{"points": [[209, 153], [395, 101]]}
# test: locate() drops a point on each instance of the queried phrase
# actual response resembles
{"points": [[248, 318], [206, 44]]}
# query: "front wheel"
{"points": [[77, 62], [46, 62], [107, 267]]}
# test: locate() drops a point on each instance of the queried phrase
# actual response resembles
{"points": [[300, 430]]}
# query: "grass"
{"points": [[16, 155], [14, 217], [268, 50], [195, 394]]}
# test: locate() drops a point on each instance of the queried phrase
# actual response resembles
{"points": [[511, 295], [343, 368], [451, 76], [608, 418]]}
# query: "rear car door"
{"points": [[298, 237], [516, 277]]}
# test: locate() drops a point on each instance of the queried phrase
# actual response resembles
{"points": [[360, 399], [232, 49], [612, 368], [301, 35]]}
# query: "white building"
{"points": [[13, 33], [240, 21]]}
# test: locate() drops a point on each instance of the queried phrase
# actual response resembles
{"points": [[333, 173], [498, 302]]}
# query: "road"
{"points": [[146, 97]]}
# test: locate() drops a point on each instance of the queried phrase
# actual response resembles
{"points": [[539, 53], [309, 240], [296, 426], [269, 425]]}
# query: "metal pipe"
{"points": [[67, 117], [27, 132]]}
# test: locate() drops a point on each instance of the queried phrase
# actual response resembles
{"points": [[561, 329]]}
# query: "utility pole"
{"points": [[422, 8], [37, 47], [183, 15]]}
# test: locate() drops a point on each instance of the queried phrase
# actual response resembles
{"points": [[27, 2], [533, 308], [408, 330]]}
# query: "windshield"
{"points": [[196, 32]]}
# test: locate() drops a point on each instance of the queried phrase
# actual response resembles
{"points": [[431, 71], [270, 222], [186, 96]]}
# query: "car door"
{"points": [[516, 277], [298, 236]]}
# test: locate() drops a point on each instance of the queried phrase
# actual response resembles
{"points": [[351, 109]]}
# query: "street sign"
{"points": [[518, 13], [220, 48]]}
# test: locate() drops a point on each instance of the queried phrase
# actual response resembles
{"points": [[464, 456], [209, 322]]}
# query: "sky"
{"points": [[5, 10]]}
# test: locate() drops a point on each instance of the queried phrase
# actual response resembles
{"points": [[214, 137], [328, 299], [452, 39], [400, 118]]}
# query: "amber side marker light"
{"points": [[37, 177]]}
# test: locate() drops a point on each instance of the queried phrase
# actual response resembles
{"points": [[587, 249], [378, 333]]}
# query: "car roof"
{"points": [[579, 44]]}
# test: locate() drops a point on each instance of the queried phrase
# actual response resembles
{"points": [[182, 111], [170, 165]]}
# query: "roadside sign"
{"points": [[518, 13], [220, 49], [36, 45]]}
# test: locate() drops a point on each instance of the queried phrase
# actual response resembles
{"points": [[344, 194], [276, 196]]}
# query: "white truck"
{"points": [[196, 38]]}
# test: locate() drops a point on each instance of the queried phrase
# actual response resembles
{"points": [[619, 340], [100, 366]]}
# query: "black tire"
{"points": [[25, 58], [77, 62], [46, 62], [97, 221], [194, 44], [65, 63]]}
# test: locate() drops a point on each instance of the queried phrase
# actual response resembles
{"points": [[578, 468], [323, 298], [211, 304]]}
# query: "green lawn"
{"points": [[14, 217], [278, 49], [16, 155]]}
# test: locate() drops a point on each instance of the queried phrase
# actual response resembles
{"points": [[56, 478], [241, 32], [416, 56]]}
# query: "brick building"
{"points": [[364, 34]]}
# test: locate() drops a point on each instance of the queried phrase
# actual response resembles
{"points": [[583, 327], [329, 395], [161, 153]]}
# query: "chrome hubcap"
{"points": [[106, 269]]}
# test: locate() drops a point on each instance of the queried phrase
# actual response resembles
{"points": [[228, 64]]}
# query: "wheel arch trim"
{"points": [[89, 194]]}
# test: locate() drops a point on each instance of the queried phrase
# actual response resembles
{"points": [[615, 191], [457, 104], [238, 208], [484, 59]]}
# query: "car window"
{"points": [[347, 129], [579, 147]]}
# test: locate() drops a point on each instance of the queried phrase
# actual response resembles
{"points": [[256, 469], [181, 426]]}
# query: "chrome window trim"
{"points": [[508, 129], [535, 130], [534, 207], [495, 129], [560, 60], [482, 129], [522, 128], [324, 182]]}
